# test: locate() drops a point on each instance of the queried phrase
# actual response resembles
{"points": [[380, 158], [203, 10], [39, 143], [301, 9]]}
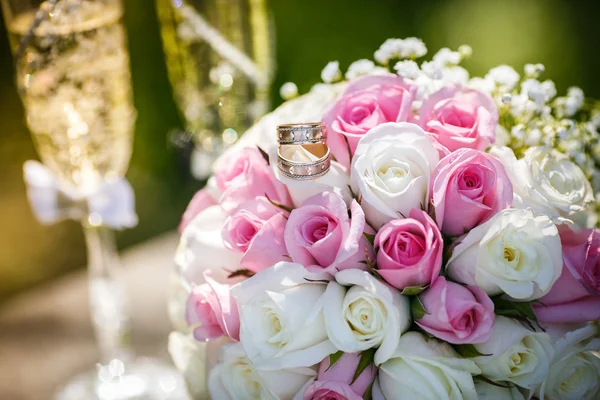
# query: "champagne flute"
{"points": [[220, 62], [72, 73]]}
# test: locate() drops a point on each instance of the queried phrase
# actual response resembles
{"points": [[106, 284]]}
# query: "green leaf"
{"points": [[241, 272], [507, 307], [468, 351], [354, 196], [505, 385], [333, 358], [417, 309], [413, 290], [264, 154], [369, 393], [431, 212], [370, 238], [276, 204], [367, 358]]}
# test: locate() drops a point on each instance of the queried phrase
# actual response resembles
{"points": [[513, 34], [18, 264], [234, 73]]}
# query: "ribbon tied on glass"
{"points": [[111, 205]]}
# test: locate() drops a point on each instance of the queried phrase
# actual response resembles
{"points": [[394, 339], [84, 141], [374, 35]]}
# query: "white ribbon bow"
{"points": [[113, 202]]}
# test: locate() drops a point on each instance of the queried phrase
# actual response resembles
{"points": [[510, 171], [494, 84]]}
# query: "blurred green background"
{"points": [[561, 34]]}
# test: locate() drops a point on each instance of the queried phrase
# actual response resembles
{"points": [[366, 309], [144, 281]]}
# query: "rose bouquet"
{"points": [[445, 248]]}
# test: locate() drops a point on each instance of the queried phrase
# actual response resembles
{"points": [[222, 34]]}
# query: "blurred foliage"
{"points": [[558, 33]]}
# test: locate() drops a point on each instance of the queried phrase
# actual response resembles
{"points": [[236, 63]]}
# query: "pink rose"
{"points": [[201, 201], [460, 118], [212, 311], [244, 175], [256, 229], [575, 297], [457, 314], [367, 102], [321, 234], [336, 383], [409, 250], [468, 187]]}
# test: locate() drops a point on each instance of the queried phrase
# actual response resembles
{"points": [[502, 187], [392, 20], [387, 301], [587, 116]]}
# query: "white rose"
{"points": [[546, 181], [575, 370], [200, 248], [487, 391], [391, 168], [424, 368], [369, 314], [281, 317], [516, 252], [336, 180], [515, 354], [235, 378], [189, 357]]}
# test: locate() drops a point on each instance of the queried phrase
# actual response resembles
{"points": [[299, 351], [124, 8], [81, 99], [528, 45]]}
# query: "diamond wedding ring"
{"points": [[303, 153]]}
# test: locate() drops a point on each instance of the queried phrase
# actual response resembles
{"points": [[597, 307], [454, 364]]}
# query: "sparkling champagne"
{"points": [[220, 63], [73, 77]]}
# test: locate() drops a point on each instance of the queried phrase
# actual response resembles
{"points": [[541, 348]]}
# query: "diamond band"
{"points": [[305, 133], [305, 170]]}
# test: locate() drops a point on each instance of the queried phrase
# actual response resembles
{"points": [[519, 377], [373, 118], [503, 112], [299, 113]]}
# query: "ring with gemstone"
{"points": [[304, 133], [316, 165]]}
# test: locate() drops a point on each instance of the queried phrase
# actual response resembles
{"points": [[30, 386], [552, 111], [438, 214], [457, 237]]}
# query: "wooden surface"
{"points": [[46, 336]]}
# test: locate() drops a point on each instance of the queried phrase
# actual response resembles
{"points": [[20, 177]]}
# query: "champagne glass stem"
{"points": [[107, 296]]}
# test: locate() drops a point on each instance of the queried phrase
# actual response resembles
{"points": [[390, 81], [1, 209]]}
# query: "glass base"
{"points": [[145, 379]]}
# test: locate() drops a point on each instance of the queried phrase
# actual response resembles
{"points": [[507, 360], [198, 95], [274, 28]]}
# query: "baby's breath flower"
{"points": [[465, 51], [389, 49], [445, 56], [574, 101], [534, 70], [518, 131], [432, 69], [331, 73], [533, 137], [539, 92], [522, 107], [413, 48], [482, 84], [407, 69], [288, 90], [359, 68], [455, 74], [399, 49], [505, 77]]}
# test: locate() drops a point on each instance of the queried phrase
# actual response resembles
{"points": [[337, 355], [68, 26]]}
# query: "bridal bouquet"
{"points": [[430, 238]]}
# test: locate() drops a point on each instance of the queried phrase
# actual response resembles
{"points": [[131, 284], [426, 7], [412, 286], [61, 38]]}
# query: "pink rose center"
{"points": [[592, 276], [359, 113], [327, 394], [457, 116], [202, 313], [475, 181], [406, 247], [317, 229], [238, 168], [244, 231], [466, 322]]}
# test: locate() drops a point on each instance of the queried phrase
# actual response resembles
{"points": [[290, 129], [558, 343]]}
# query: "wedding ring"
{"points": [[304, 170], [305, 133]]}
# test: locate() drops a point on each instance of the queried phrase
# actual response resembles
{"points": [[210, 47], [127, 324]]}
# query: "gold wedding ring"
{"points": [[312, 132], [305, 142]]}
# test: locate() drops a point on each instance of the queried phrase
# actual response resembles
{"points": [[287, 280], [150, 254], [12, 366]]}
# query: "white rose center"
{"points": [[395, 177], [578, 378], [519, 360], [365, 314], [244, 381], [272, 325]]}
